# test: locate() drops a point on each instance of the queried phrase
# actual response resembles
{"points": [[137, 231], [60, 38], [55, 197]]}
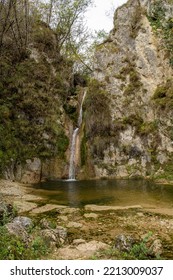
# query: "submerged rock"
{"points": [[92, 207]]}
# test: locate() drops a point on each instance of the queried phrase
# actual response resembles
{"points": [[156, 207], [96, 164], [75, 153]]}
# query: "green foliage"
{"points": [[97, 104], [141, 251], [13, 248], [142, 128], [43, 37], [8, 215], [71, 111], [167, 171], [148, 127], [29, 110], [163, 26], [133, 120]]}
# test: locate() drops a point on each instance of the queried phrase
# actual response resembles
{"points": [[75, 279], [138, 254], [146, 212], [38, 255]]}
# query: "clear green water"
{"points": [[106, 192]]}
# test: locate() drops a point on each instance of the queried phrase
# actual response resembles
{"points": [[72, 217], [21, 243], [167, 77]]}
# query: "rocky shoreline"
{"points": [[92, 232]]}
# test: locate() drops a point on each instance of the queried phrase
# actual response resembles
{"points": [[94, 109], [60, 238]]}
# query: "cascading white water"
{"points": [[72, 166]]}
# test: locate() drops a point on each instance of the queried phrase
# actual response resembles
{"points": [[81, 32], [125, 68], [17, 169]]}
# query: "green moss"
{"points": [[163, 95], [134, 83], [133, 120], [129, 73], [98, 129], [148, 127]]}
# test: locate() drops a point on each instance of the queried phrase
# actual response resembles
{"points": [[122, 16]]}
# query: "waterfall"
{"points": [[73, 143]]}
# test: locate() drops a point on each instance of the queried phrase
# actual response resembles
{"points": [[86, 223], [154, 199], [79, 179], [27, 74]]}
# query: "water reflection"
{"points": [[106, 192]]}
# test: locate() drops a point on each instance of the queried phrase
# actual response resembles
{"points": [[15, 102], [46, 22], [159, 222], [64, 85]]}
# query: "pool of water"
{"points": [[106, 192]]}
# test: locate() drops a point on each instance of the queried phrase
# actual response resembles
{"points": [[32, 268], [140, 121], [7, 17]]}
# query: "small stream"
{"points": [[106, 192]]}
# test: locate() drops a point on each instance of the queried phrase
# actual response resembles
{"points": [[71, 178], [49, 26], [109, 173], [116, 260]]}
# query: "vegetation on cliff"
{"points": [[38, 55], [162, 24]]}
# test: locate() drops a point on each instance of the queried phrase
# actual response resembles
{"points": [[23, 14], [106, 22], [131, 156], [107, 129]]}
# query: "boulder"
{"points": [[55, 237], [24, 222], [156, 248], [124, 243], [19, 227]]}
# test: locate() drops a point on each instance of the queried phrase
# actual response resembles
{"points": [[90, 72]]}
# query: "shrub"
{"points": [[13, 248]]}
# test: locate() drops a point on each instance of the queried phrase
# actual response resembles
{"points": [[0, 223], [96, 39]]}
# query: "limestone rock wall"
{"points": [[131, 65]]}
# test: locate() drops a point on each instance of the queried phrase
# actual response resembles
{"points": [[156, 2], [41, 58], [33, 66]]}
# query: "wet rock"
{"points": [[92, 207], [124, 243]]}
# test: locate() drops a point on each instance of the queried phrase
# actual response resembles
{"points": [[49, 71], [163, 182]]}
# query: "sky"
{"points": [[97, 16]]}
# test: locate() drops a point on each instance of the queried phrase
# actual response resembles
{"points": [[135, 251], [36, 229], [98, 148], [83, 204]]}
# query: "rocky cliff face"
{"points": [[133, 81], [33, 90]]}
